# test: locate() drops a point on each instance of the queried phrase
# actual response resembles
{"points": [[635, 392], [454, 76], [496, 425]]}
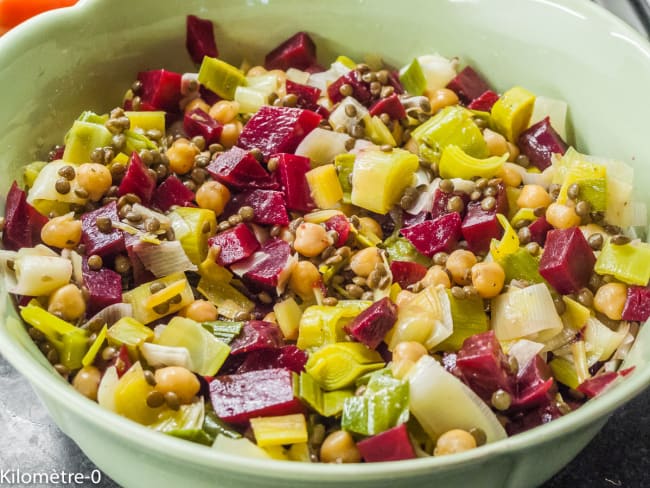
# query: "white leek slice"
{"points": [[158, 355], [441, 402], [524, 350], [164, 259], [249, 99], [240, 447], [601, 341], [322, 146], [264, 84], [44, 189], [526, 313], [339, 118], [438, 71], [77, 264], [107, 387], [178, 225], [163, 220], [324, 78], [40, 275], [555, 109], [112, 313], [297, 76]]}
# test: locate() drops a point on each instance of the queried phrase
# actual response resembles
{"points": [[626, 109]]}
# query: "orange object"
{"points": [[13, 12]]}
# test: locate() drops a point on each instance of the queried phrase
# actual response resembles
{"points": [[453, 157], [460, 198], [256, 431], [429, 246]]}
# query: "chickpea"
{"points": [[533, 196], [201, 311], [453, 441], [197, 103], [214, 196], [459, 263], [339, 447], [311, 239], [364, 261], [179, 380], [86, 382], [436, 275], [562, 216], [181, 156], [496, 143], [302, 279], [230, 133], [610, 300], [62, 232], [441, 98], [488, 278], [367, 224], [510, 176], [95, 178], [256, 71], [224, 111], [513, 151], [410, 350], [67, 302]]}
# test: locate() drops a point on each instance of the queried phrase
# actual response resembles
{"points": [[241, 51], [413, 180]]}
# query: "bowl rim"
{"points": [[207, 458]]}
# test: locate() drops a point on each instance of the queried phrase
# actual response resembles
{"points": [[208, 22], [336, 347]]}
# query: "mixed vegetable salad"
{"points": [[337, 264]]}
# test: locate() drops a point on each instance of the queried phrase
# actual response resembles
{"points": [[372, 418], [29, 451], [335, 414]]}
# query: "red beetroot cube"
{"points": [[96, 241], [538, 230], [239, 169], [289, 357], [199, 39], [360, 89], [484, 102], [278, 129], [137, 180], [390, 105], [596, 385], [268, 206], [405, 273], [236, 244], [291, 171], [307, 95], [299, 51], [480, 227], [239, 397], [535, 385], [264, 267], [198, 123], [172, 192], [341, 225], [371, 325], [161, 90], [441, 202], [539, 142], [23, 223], [432, 236], [468, 85], [256, 335], [567, 261], [104, 287], [637, 304], [391, 445]]}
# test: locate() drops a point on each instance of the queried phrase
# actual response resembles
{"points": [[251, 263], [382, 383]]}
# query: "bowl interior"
{"points": [[54, 67]]}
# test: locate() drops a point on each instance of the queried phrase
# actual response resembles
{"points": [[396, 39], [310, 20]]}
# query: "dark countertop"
{"points": [[30, 441]]}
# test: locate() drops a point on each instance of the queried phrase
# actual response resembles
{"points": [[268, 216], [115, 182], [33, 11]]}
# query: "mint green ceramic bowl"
{"points": [[59, 64]]}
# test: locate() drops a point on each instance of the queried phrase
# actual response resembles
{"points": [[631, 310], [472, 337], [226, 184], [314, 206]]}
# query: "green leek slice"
{"points": [[221, 77], [512, 111], [455, 163], [337, 366], [412, 78], [628, 262]]}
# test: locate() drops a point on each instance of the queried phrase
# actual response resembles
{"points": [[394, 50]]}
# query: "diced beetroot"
{"points": [[238, 168], [535, 385], [371, 325], [480, 227], [198, 123], [264, 267], [538, 230], [341, 225], [596, 385], [405, 273], [307, 95], [289, 357], [96, 241], [291, 171], [161, 90], [199, 39], [56, 153], [441, 201], [322, 111], [256, 335], [137, 180], [468, 85], [393, 80], [637, 304], [269, 392], [360, 89], [268, 206], [122, 361], [208, 95], [484, 101], [432, 236], [299, 51], [23, 223], [171, 192], [391, 445], [409, 220], [539, 142], [529, 419], [278, 129], [104, 287], [236, 244], [390, 105], [567, 261], [484, 366]]}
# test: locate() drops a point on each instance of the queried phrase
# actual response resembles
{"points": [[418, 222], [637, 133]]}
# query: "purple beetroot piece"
{"points": [[432, 236], [239, 169], [104, 287], [23, 223], [637, 303], [341, 225], [171, 192], [291, 171], [567, 261], [468, 85], [484, 101], [278, 129], [137, 180], [96, 241], [481, 226], [299, 51], [405, 273], [596, 385], [539, 142], [199, 39], [389, 105], [535, 385], [256, 335], [269, 392], [264, 267], [391, 445], [236, 244], [198, 123], [289, 357], [268, 206], [538, 230], [371, 325], [161, 90], [360, 89], [441, 202], [307, 96]]}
